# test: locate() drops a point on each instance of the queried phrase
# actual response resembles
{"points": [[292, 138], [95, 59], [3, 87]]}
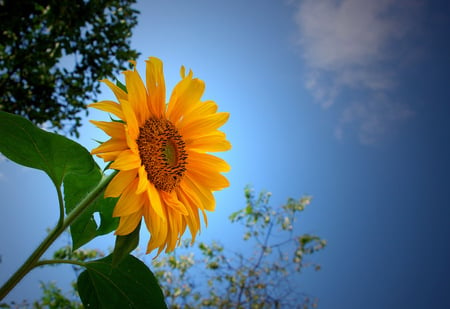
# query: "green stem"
{"points": [[59, 261], [33, 259], [61, 207]]}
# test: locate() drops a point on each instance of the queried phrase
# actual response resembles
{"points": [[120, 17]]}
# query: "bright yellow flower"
{"points": [[161, 151]]}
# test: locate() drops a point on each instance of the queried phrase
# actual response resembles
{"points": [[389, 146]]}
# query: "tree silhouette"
{"points": [[53, 52]]}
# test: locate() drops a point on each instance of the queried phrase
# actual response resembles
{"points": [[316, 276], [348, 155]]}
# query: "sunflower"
{"points": [[161, 151]]}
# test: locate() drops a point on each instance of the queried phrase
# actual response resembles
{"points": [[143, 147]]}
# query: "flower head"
{"points": [[161, 151]]}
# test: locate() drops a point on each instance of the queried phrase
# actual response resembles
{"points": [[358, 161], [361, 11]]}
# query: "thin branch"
{"points": [[59, 261], [266, 241]]}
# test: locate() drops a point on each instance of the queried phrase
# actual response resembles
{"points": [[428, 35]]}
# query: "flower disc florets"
{"points": [[162, 152]]}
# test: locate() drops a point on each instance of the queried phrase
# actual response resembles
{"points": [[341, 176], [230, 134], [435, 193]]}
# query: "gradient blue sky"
{"points": [[347, 101]]}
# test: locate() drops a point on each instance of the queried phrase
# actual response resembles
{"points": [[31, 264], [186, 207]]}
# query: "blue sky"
{"points": [[347, 101]]}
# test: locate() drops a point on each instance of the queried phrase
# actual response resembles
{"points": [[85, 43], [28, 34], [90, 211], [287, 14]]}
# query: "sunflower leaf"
{"points": [[129, 285], [56, 155], [85, 228], [66, 163], [124, 245]]}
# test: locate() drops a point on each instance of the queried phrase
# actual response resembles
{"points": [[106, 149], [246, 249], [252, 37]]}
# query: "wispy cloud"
{"points": [[372, 119], [354, 51]]}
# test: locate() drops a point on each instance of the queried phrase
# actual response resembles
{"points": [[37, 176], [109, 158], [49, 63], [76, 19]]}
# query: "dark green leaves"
{"points": [[130, 285]]}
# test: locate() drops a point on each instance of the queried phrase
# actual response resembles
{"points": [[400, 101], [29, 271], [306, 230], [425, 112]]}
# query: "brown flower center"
{"points": [[162, 152]]}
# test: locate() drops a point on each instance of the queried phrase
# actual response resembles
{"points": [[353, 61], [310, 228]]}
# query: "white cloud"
{"points": [[357, 45], [372, 119]]}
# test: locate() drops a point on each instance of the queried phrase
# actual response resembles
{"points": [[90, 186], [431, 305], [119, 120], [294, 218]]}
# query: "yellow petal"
{"points": [[131, 141], [206, 162], [137, 95], [155, 201], [174, 229], [205, 125], [195, 206], [190, 194], [129, 202], [143, 180], [110, 107], [211, 180], [205, 217], [109, 156], [206, 108], [156, 86], [110, 145], [130, 119], [209, 146], [194, 201], [159, 238], [118, 92], [118, 184], [129, 223], [113, 129], [127, 160], [172, 201], [193, 219], [152, 220], [184, 97], [183, 71], [213, 142], [202, 194], [200, 110], [182, 229]]}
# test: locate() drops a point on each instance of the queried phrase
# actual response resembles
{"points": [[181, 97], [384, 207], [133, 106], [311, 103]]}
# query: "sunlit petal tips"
{"points": [[161, 150]]}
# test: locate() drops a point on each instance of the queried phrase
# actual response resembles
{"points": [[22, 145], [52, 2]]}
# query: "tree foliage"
{"points": [[53, 52]]}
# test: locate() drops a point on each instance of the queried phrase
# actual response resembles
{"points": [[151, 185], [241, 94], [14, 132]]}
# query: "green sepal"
{"points": [[116, 120], [129, 285], [121, 85], [124, 245]]}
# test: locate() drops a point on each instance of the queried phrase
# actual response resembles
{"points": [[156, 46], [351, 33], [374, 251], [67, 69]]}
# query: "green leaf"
{"points": [[233, 216], [56, 155], [125, 244], [65, 162], [130, 285], [84, 229]]}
